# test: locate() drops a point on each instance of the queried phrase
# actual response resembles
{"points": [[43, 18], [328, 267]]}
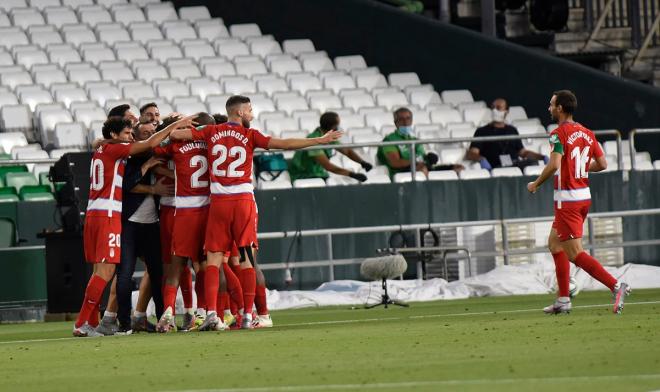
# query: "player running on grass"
{"points": [[102, 232], [575, 153], [233, 211]]}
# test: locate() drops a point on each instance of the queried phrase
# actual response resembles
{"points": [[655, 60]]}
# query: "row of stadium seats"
{"points": [[60, 77], [17, 183]]}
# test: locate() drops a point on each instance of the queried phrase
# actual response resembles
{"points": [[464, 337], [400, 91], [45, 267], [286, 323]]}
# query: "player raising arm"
{"points": [[233, 211], [575, 152], [102, 232]]}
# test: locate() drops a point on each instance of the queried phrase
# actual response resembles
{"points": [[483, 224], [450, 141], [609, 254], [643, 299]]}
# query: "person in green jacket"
{"points": [[316, 163], [397, 158]]}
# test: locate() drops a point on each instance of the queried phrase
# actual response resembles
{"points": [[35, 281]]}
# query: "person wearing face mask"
{"points": [[397, 158], [316, 163], [501, 153]]}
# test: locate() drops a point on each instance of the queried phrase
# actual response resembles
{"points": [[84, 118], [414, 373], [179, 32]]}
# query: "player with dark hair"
{"points": [[123, 111], [233, 211], [149, 112], [102, 232], [575, 153]]}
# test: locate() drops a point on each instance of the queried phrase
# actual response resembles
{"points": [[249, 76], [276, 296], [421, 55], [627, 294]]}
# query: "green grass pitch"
{"points": [[493, 344]]}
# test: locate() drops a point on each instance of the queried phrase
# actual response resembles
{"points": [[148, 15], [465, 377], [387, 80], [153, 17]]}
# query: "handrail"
{"points": [[631, 140], [503, 223], [412, 143], [416, 226]]}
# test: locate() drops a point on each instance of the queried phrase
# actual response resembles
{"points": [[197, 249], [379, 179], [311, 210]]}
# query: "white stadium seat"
{"points": [[87, 116], [70, 135], [194, 13], [350, 62], [297, 46], [160, 12], [325, 103], [392, 101], [425, 98], [16, 116], [442, 175], [445, 117], [456, 97], [407, 177], [473, 174], [478, 116], [506, 172], [245, 30], [403, 79], [276, 126], [309, 183], [265, 48]]}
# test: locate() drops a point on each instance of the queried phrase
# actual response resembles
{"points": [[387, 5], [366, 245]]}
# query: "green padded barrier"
{"points": [[23, 277]]}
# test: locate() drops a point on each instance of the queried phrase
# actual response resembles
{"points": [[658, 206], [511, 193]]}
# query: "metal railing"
{"points": [[505, 252], [631, 141], [415, 142], [412, 143]]}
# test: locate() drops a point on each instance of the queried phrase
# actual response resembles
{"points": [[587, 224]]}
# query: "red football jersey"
{"points": [[578, 146], [166, 152], [192, 175], [106, 176], [230, 151]]}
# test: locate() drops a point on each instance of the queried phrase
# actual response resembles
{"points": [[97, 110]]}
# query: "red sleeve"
{"points": [[200, 133], [598, 151], [166, 150], [118, 150], [259, 139]]}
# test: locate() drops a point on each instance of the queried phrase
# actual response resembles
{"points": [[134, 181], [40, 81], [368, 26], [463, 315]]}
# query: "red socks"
{"points": [[260, 300], [593, 268], [233, 286], [94, 317], [199, 289], [93, 294], [563, 271], [185, 282], [248, 283], [223, 301], [211, 285], [169, 297]]}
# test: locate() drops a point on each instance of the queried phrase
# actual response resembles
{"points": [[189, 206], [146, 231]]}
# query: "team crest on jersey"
{"points": [[554, 139]]}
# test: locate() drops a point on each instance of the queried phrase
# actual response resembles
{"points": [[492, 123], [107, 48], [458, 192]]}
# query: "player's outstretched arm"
{"points": [[598, 164], [296, 144], [181, 134], [548, 171], [158, 137]]}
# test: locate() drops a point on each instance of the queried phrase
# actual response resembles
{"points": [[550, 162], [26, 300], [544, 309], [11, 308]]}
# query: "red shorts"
{"points": [[102, 239], [569, 220], [189, 233], [231, 221], [234, 251], [166, 228]]}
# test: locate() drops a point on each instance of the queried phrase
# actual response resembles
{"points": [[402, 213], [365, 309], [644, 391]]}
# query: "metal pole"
{"points": [[631, 145], [418, 243], [331, 266], [588, 15], [590, 226], [505, 244], [413, 162], [488, 18], [634, 23], [444, 11]]}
